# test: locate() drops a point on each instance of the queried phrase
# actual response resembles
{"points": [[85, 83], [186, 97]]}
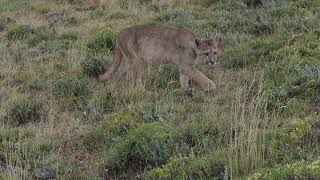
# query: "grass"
{"points": [[262, 121]]}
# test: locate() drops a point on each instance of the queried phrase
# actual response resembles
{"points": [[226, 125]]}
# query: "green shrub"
{"points": [[253, 3], [296, 141], [252, 52], [101, 43], [202, 135], [20, 32], [148, 145], [192, 168], [297, 170], [95, 66], [111, 129], [71, 86], [26, 110]]}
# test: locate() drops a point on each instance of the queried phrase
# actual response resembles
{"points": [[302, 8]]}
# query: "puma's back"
{"points": [[154, 45]]}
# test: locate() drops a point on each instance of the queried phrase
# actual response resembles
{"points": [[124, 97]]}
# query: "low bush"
{"points": [[297, 170], [95, 66], [101, 43], [26, 110], [190, 168], [150, 144], [71, 85], [296, 141], [20, 32], [111, 129]]}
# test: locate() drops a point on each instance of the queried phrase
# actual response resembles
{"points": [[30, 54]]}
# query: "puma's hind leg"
{"points": [[120, 73], [137, 75]]}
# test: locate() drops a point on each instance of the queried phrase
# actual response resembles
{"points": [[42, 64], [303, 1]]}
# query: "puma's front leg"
{"points": [[204, 82], [137, 77], [184, 81]]}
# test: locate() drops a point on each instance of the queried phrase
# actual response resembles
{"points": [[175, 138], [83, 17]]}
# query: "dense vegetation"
{"points": [[262, 122]]}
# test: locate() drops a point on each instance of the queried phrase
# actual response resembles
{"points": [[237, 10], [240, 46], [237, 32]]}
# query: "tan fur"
{"points": [[160, 45]]}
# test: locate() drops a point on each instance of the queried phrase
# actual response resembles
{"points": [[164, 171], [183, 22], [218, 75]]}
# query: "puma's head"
{"points": [[209, 48]]}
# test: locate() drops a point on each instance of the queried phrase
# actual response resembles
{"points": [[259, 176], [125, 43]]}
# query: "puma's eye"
{"points": [[215, 53], [207, 54]]}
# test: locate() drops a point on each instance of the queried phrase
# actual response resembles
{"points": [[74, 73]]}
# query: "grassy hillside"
{"points": [[262, 122]]}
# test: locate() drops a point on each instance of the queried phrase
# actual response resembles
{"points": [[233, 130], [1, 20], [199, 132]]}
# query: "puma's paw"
{"points": [[211, 87]]}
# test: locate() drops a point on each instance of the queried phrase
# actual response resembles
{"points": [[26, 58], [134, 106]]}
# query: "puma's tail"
{"points": [[115, 64]]}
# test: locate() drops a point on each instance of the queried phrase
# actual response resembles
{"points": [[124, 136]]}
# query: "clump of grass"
{"points": [[101, 43], [35, 83], [71, 85], [20, 32], [26, 110]]}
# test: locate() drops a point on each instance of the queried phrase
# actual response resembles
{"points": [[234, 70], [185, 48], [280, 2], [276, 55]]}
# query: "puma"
{"points": [[160, 45]]}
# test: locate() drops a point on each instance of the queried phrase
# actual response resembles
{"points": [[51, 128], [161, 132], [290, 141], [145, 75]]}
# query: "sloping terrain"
{"points": [[57, 120]]}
